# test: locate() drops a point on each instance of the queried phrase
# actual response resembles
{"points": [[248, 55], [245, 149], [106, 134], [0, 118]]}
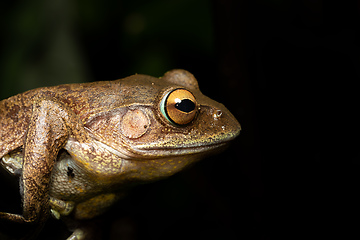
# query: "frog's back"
{"points": [[86, 100], [15, 113]]}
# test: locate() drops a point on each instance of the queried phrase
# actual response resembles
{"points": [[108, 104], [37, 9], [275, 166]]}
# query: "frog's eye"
{"points": [[179, 106]]}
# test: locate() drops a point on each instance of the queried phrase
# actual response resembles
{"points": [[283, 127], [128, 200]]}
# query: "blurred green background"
{"points": [[62, 41]]}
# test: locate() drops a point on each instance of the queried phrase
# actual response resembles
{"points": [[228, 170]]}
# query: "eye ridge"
{"points": [[185, 105]]}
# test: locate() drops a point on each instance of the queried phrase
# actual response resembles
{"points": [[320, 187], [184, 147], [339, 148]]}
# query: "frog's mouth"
{"points": [[151, 151], [188, 150], [184, 146]]}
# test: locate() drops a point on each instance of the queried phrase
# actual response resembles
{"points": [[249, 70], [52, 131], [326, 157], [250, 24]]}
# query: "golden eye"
{"points": [[179, 106]]}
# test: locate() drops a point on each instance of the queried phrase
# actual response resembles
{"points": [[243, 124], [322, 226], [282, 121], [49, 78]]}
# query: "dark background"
{"points": [[288, 71]]}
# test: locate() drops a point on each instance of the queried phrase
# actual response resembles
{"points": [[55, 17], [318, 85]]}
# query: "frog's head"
{"points": [[164, 123]]}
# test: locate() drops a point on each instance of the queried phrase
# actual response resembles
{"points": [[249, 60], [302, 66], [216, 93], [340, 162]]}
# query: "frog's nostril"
{"points": [[217, 114]]}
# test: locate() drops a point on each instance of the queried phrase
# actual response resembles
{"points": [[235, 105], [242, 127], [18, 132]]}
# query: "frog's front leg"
{"points": [[51, 124]]}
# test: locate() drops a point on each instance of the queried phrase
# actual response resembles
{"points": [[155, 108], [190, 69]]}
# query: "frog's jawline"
{"points": [[142, 154]]}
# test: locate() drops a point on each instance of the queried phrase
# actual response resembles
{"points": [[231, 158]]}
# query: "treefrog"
{"points": [[76, 148]]}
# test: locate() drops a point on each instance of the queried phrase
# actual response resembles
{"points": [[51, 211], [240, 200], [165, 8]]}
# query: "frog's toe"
{"points": [[60, 207], [12, 217], [78, 234], [15, 226]]}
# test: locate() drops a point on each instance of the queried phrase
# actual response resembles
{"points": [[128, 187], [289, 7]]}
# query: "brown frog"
{"points": [[77, 147]]}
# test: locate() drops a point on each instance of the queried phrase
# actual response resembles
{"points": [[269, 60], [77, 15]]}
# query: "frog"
{"points": [[76, 149]]}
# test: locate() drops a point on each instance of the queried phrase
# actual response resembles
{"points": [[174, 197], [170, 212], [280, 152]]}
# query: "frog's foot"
{"points": [[86, 229], [13, 217], [60, 208], [16, 226], [78, 234]]}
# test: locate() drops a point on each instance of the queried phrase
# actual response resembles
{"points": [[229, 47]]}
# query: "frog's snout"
{"points": [[217, 114], [226, 122]]}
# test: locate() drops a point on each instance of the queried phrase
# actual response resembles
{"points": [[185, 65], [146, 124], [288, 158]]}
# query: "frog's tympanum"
{"points": [[77, 147]]}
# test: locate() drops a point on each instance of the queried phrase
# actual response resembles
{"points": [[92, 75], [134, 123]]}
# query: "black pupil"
{"points": [[186, 105]]}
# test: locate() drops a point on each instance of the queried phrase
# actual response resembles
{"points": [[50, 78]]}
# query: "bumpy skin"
{"points": [[77, 147]]}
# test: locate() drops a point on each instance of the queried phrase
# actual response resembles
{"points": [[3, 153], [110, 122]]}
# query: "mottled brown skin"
{"points": [[77, 147]]}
